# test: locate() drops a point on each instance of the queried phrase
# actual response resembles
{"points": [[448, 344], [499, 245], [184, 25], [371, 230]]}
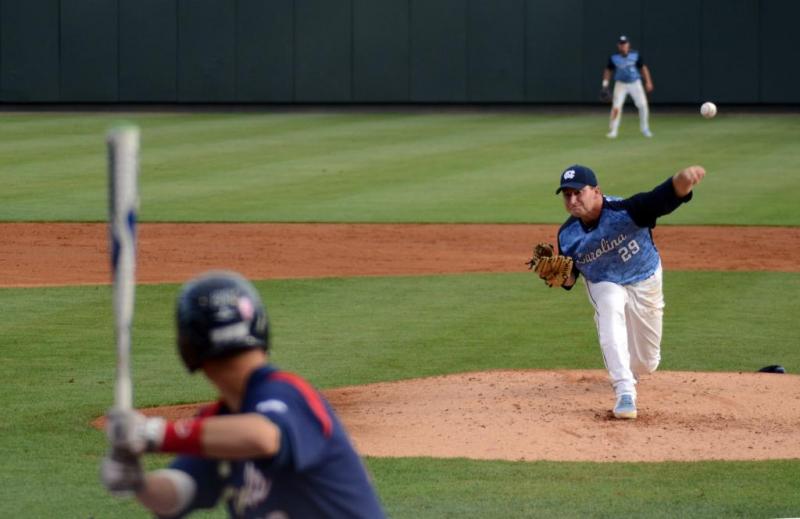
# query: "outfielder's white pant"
{"points": [[629, 325], [636, 91]]}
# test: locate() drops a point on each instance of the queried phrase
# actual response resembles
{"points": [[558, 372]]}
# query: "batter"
{"points": [[271, 447]]}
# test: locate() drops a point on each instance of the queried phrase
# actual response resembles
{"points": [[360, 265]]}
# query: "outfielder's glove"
{"points": [[553, 269], [605, 95]]}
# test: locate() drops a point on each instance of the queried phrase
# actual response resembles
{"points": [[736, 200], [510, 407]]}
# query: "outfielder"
{"points": [[626, 66], [609, 240], [270, 447]]}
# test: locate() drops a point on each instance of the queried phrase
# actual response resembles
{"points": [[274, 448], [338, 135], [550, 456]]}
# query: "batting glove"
{"points": [[132, 432], [121, 473]]}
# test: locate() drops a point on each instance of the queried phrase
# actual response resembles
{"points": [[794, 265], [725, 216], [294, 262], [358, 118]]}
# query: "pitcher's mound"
{"points": [[566, 416]]}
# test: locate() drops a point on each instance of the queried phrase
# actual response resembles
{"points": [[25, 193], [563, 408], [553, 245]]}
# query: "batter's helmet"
{"points": [[219, 314]]}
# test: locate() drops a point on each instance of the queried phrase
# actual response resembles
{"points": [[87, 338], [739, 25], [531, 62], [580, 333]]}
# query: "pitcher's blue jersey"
{"points": [[626, 68], [316, 472], [620, 248]]}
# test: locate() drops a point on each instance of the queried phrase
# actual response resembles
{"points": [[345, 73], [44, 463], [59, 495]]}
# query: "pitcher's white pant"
{"points": [[636, 91], [628, 319]]}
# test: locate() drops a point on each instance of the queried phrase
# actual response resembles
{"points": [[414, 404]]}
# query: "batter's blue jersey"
{"points": [[316, 473], [619, 248], [626, 68]]}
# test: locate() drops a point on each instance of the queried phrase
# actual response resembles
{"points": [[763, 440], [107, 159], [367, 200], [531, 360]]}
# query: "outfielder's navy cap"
{"points": [[623, 39], [577, 177]]}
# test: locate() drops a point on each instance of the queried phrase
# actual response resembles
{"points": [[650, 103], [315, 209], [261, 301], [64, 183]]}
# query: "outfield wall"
{"points": [[396, 51]]}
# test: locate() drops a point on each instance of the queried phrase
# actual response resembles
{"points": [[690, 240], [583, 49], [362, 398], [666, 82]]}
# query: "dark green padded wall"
{"points": [[671, 37], [381, 50], [89, 51], [779, 47], [29, 50], [554, 51], [264, 50], [729, 42], [148, 47], [287, 51], [496, 45], [323, 50], [439, 50], [206, 50]]}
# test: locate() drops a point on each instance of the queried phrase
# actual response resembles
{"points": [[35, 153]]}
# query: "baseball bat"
{"points": [[123, 172]]}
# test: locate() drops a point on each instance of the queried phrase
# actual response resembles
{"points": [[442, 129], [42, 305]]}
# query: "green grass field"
{"points": [[394, 167], [56, 358]]}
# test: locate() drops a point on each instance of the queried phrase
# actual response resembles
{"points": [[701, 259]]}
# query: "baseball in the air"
{"points": [[708, 110]]}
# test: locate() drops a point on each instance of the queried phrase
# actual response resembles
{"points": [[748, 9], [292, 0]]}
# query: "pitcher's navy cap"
{"points": [[622, 39], [577, 177]]}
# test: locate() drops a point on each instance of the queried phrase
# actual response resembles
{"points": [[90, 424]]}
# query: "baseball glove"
{"points": [[541, 250], [553, 269], [605, 95]]}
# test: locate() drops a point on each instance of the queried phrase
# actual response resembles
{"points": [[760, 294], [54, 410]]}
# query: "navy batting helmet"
{"points": [[219, 314]]}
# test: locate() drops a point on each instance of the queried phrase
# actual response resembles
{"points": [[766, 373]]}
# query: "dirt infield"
{"points": [[514, 415], [36, 254]]}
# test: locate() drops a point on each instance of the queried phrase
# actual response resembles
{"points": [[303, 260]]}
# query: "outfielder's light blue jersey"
{"points": [[619, 248], [626, 68]]}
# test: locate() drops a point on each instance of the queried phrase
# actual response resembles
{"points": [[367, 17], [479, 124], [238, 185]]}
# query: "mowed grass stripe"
{"points": [[463, 166], [398, 167], [273, 160]]}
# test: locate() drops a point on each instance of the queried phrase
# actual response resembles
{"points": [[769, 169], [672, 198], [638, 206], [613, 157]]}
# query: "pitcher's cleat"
{"points": [[626, 407]]}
